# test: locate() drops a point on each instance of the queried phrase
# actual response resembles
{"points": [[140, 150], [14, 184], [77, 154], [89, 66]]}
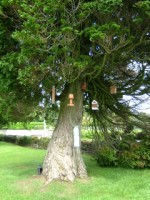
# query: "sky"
{"points": [[144, 107]]}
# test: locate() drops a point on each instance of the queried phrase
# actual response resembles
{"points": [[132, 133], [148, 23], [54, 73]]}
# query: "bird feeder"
{"points": [[95, 105], [83, 86], [53, 94], [113, 89], [71, 97]]}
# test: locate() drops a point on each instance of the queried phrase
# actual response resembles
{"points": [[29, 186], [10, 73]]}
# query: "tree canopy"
{"points": [[68, 43], [44, 43]]}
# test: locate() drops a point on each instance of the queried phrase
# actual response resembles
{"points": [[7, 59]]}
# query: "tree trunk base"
{"points": [[63, 163]]}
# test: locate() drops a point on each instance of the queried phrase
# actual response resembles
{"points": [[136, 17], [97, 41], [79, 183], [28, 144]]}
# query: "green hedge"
{"points": [[34, 142], [128, 153]]}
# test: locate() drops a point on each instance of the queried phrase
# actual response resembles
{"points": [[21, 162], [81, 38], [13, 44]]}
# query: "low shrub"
{"points": [[43, 143], [86, 134], [1, 137], [35, 142], [40, 143], [138, 156], [106, 157], [24, 141], [129, 153], [10, 138]]}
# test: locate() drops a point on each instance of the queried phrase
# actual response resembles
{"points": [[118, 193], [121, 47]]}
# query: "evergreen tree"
{"points": [[65, 44]]}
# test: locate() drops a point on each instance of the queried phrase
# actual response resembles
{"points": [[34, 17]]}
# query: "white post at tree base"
{"points": [[76, 136]]}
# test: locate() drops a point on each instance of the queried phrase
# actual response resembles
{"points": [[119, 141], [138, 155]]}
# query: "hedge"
{"points": [[35, 142]]}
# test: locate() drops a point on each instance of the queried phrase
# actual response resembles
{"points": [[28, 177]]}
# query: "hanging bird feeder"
{"points": [[83, 86], [113, 89], [71, 97], [53, 94], [95, 105]]}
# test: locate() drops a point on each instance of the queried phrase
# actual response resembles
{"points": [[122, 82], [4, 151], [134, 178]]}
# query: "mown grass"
{"points": [[19, 179]]}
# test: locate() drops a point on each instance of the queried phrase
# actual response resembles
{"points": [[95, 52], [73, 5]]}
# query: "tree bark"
{"points": [[63, 160]]}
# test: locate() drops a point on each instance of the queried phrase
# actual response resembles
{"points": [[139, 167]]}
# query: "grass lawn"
{"points": [[19, 179]]}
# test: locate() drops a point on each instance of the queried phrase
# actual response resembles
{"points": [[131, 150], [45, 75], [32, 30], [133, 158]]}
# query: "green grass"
{"points": [[28, 126], [19, 179]]}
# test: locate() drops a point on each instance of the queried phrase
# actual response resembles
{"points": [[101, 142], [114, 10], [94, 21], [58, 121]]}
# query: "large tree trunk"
{"points": [[63, 160]]}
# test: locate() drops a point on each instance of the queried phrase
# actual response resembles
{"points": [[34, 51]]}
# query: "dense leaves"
{"points": [[45, 43], [130, 151]]}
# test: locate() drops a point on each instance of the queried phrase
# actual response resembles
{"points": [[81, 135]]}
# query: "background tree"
{"points": [[67, 43]]}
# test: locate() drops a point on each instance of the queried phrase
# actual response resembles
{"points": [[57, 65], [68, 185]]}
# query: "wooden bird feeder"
{"points": [[83, 86], [113, 89], [71, 97], [95, 105], [53, 94]]}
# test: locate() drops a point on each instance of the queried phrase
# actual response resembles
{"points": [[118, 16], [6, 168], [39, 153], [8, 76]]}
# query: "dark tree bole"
{"points": [[63, 160]]}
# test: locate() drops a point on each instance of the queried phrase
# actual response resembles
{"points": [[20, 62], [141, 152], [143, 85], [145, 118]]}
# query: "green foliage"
{"points": [[41, 143], [28, 125], [100, 42], [135, 154], [86, 134], [100, 32], [24, 141], [2, 137], [129, 153], [106, 157], [9, 138], [105, 6], [145, 6], [35, 142]]}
